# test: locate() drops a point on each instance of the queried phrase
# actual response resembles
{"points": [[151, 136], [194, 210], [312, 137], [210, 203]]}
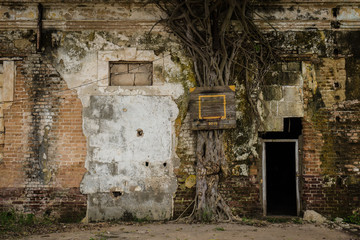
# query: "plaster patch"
{"points": [[116, 154]]}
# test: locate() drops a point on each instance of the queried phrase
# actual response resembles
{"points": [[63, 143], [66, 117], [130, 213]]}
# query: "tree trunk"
{"points": [[210, 205]]}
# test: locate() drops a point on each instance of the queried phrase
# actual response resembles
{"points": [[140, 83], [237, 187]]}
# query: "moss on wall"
{"points": [[352, 78]]}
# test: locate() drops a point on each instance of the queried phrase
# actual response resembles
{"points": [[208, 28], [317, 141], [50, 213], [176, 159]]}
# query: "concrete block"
{"points": [[272, 78], [270, 108], [272, 92], [294, 66], [290, 109], [9, 75], [273, 124], [123, 79], [289, 78], [266, 108], [142, 79], [119, 68], [292, 94], [140, 68]]}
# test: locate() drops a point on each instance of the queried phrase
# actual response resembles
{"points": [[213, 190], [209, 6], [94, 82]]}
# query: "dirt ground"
{"points": [[227, 231]]}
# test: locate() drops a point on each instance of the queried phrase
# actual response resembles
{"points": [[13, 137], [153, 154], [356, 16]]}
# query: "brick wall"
{"points": [[331, 179], [242, 194], [185, 195], [44, 148]]}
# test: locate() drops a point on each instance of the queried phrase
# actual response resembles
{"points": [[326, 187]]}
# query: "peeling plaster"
{"points": [[127, 173]]}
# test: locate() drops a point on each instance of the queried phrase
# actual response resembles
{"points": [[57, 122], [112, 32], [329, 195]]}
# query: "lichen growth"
{"points": [[353, 79], [240, 143]]}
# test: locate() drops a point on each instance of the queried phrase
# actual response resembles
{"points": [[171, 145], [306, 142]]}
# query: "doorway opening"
{"points": [[281, 179], [280, 170]]}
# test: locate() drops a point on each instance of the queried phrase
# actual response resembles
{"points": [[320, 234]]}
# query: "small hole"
{"points": [[147, 164], [335, 24], [116, 193], [336, 84], [336, 51], [140, 132], [164, 164], [337, 97], [335, 12], [337, 119]]}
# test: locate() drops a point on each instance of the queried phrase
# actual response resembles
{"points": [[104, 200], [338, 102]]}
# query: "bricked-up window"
{"points": [[131, 73]]}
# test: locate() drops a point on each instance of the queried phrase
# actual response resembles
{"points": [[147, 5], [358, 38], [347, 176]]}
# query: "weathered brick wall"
{"points": [[185, 194], [242, 194], [331, 144], [44, 148]]}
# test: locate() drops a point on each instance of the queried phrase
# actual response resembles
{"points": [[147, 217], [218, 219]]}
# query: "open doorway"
{"points": [[280, 161], [280, 168]]}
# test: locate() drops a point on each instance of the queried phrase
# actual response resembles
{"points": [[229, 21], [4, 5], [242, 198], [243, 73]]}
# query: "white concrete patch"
{"points": [[132, 150]]}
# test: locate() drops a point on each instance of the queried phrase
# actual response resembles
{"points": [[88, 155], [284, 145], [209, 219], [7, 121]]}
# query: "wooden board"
{"points": [[212, 108]]}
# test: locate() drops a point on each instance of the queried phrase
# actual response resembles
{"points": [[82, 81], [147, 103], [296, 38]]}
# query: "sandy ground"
{"points": [[286, 231]]}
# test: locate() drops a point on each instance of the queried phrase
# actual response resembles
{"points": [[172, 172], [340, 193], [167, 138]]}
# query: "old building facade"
{"points": [[94, 113]]}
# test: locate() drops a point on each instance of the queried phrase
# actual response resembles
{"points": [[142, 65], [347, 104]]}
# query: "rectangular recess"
{"points": [[130, 73]]}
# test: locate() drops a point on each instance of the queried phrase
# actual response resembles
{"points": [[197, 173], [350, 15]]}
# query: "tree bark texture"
{"points": [[210, 205]]}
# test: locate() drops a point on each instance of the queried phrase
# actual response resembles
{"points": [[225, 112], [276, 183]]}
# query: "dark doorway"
{"points": [[281, 197]]}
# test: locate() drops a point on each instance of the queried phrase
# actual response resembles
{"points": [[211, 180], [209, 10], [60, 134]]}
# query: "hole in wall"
{"points": [[146, 164], [164, 164], [336, 85], [339, 181], [116, 194], [336, 51], [335, 11], [337, 97], [140, 132], [335, 24], [337, 119]]}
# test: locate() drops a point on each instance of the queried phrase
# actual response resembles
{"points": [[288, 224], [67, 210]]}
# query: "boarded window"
{"points": [[130, 74]]}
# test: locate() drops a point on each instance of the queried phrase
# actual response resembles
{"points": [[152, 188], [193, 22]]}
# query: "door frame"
{"points": [[264, 141]]}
